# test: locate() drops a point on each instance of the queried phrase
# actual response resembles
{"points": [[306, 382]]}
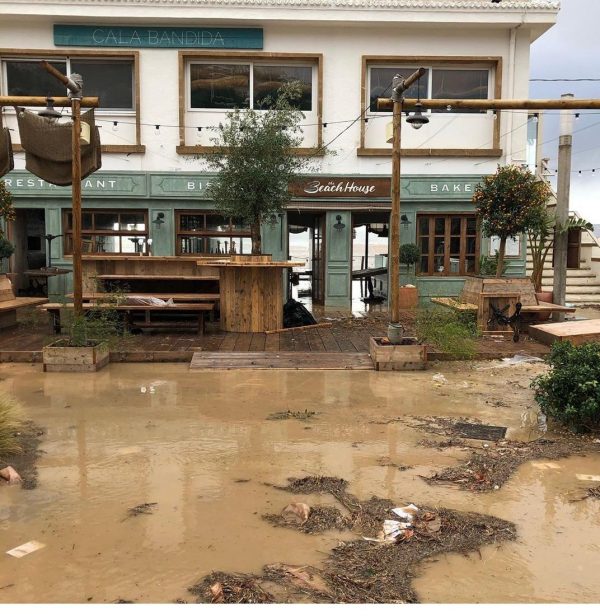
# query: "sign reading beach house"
{"points": [[161, 37], [324, 187]]}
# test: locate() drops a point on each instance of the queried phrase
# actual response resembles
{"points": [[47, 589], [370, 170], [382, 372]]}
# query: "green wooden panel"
{"points": [[162, 234], [338, 251]]}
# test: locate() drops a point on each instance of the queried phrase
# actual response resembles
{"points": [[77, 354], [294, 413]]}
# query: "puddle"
{"points": [[192, 446]]}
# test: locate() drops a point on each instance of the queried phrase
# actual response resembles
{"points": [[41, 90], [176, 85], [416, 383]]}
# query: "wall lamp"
{"points": [[404, 220], [339, 225], [160, 219]]}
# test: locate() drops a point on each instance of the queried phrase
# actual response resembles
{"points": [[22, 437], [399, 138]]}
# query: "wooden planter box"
{"points": [[408, 298], [58, 358], [409, 356]]}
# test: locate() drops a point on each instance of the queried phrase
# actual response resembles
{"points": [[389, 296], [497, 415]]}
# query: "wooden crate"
{"points": [[476, 285], [74, 359], [397, 356], [576, 332], [499, 301]]}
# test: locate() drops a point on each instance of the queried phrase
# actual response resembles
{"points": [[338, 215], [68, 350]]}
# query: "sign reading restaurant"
{"points": [[149, 36]]}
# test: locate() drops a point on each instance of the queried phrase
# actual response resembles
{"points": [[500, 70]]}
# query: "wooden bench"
{"points": [[9, 304], [198, 309]]}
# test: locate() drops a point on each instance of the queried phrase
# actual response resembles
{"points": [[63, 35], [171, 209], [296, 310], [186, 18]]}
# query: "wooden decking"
{"points": [[284, 360]]}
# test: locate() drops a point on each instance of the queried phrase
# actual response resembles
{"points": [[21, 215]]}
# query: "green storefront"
{"points": [[170, 214]]}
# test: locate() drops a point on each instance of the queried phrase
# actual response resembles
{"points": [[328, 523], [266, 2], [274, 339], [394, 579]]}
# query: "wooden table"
{"points": [[251, 289], [43, 274]]}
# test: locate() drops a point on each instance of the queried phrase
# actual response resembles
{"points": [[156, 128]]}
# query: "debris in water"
{"points": [[304, 415], [587, 477], [10, 475], [321, 518], [493, 466], [296, 512], [143, 509], [388, 462], [29, 438], [480, 432], [406, 513], [360, 571], [439, 379], [221, 587], [26, 548]]}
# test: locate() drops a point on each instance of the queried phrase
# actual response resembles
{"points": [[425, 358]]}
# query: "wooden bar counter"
{"points": [[251, 290]]}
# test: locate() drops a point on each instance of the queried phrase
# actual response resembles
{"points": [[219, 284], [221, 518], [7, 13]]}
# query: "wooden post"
{"points": [[394, 245], [76, 206]]}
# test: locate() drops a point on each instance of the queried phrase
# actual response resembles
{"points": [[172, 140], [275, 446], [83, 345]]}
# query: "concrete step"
{"points": [[577, 290], [581, 283], [578, 300]]}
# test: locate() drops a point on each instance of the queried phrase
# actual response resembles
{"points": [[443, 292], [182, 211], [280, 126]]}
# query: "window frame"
{"points": [[493, 63], [64, 54], [263, 57], [431, 254], [68, 231], [181, 234]]}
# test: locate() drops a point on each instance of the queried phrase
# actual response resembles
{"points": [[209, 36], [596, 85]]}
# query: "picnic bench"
{"points": [[9, 304], [133, 313]]}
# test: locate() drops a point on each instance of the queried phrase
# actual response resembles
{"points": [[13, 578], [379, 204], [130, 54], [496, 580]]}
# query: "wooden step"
{"points": [[285, 360]]}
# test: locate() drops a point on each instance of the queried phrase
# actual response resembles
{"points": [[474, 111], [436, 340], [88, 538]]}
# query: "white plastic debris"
{"points": [[521, 359], [440, 378], [393, 528], [26, 548], [406, 513], [588, 477], [542, 422]]}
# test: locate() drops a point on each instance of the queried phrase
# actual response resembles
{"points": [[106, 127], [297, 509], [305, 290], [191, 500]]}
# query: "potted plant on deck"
{"points": [[86, 349], [408, 294]]}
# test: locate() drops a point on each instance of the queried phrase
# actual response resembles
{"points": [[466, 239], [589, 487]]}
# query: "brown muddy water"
{"points": [[135, 434]]}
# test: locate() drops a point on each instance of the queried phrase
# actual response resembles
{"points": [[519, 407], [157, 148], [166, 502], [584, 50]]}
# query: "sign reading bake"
{"points": [[324, 187]]}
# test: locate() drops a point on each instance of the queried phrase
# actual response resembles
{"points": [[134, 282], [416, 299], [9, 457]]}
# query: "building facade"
{"points": [[168, 71]]}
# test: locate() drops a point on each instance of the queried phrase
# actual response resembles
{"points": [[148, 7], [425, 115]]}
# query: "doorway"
{"points": [[370, 237], [573, 249], [306, 241], [28, 231]]}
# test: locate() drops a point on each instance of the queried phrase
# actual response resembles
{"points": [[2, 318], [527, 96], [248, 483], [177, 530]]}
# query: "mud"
{"points": [[159, 433], [24, 462]]}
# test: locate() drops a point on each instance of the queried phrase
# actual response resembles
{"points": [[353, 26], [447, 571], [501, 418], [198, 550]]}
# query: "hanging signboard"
{"points": [[159, 37]]}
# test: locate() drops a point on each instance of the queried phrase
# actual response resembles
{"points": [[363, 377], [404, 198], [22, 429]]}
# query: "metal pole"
{"points": [[561, 238], [394, 247]]}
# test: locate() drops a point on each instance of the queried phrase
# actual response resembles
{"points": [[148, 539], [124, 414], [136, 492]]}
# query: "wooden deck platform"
{"points": [[284, 360], [576, 332]]}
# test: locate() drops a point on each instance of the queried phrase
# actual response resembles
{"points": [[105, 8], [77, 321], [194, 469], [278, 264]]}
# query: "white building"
{"points": [[168, 70]]}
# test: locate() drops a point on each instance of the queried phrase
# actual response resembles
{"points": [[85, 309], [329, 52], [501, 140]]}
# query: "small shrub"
{"points": [[409, 254], [10, 424], [570, 392], [489, 265], [450, 332]]}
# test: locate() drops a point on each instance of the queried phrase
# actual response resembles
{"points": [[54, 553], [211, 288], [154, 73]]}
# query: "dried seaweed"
{"points": [[320, 519], [219, 587], [304, 415], [142, 509]]}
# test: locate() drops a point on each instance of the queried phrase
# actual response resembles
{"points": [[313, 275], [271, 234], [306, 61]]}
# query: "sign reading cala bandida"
{"points": [[326, 187]]}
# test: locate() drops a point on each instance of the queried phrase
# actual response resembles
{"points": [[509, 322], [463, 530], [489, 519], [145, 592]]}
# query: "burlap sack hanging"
{"points": [[48, 147], [7, 162]]}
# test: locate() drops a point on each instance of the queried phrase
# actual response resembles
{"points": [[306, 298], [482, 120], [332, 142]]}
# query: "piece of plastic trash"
{"points": [[439, 378], [406, 513], [588, 477], [26, 548], [296, 511], [542, 422], [521, 358], [10, 474]]}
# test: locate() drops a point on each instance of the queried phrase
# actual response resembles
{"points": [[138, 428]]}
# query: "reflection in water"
{"points": [[160, 433]]}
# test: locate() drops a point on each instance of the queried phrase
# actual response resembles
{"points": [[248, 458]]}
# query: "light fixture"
{"points": [[339, 225], [404, 220], [50, 112], [417, 119], [160, 219], [273, 219]]}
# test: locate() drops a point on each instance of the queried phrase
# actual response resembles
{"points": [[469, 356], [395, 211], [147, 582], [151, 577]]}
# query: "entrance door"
{"points": [[574, 249], [318, 259], [28, 231]]}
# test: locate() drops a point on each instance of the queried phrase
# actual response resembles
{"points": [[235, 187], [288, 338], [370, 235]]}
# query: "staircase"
{"points": [[583, 284]]}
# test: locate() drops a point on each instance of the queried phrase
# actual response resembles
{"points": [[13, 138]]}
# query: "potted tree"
{"points": [[7, 213], [409, 255], [504, 201]]}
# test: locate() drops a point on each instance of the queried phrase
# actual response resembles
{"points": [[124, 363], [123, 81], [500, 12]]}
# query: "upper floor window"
{"points": [[110, 79], [464, 83], [245, 85]]}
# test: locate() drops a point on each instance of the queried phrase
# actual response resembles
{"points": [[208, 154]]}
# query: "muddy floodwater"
{"points": [[199, 445]]}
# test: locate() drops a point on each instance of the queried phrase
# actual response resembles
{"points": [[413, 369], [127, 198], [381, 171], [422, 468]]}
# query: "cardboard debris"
{"points": [[26, 548]]}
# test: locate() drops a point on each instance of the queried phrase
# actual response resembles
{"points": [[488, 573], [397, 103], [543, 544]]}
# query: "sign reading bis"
{"points": [[160, 37]]}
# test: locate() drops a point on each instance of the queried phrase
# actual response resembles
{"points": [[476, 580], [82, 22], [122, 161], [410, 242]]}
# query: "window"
{"points": [[221, 85], [109, 231], [468, 83], [110, 79], [449, 244], [211, 233]]}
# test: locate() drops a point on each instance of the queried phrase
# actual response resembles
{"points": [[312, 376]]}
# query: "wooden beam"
{"points": [[386, 104], [42, 101], [300, 327]]}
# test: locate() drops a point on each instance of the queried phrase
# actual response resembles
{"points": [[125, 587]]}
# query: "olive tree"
{"points": [[255, 157], [504, 202]]}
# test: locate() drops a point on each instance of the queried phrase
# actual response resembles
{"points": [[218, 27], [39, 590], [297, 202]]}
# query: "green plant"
{"points": [[254, 155], [10, 424], [570, 391], [451, 332], [504, 202], [488, 266], [7, 211], [409, 254], [541, 228]]}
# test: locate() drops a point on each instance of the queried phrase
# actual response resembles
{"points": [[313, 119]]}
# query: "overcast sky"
{"points": [[571, 49]]}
